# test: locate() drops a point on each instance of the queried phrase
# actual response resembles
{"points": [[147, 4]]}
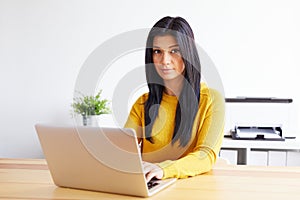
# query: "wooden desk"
{"points": [[30, 179]]}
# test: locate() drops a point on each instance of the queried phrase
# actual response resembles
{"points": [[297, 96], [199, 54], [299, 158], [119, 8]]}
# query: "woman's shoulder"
{"points": [[204, 88], [209, 93], [138, 105], [142, 99]]}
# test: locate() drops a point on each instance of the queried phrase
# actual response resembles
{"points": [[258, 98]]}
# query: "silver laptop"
{"points": [[98, 159]]}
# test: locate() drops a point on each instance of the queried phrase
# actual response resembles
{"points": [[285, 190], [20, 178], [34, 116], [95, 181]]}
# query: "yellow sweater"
{"points": [[207, 133]]}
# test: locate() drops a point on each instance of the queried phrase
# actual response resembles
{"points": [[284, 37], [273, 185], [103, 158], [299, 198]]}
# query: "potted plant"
{"points": [[90, 106]]}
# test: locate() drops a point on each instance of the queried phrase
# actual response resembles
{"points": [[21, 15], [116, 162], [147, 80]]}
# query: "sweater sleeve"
{"points": [[209, 139], [135, 118]]}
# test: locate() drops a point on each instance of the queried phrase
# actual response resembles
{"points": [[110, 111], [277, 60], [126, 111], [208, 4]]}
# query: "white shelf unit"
{"points": [[257, 152]]}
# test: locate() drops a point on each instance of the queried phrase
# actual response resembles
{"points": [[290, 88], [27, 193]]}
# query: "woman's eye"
{"points": [[175, 51], [156, 51]]}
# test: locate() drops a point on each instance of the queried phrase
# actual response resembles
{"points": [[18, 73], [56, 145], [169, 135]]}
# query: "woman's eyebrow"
{"points": [[175, 45]]}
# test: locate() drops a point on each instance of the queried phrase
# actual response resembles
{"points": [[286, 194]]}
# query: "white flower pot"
{"points": [[90, 120]]}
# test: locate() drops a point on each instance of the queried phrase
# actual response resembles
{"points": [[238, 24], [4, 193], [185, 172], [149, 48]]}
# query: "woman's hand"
{"points": [[152, 170]]}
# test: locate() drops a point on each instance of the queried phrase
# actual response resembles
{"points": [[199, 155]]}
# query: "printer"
{"points": [[258, 118], [257, 133]]}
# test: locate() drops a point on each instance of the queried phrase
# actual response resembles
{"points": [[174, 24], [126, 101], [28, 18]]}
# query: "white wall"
{"points": [[43, 44]]}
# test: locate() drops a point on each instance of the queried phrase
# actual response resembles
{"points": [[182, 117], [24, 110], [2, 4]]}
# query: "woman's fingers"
{"points": [[152, 170]]}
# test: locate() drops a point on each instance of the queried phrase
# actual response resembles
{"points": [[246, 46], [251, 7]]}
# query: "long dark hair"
{"points": [[190, 94]]}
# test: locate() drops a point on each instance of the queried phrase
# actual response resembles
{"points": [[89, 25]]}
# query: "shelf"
{"points": [[288, 144], [255, 152]]}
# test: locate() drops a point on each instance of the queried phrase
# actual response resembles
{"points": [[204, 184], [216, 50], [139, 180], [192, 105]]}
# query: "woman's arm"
{"points": [[135, 118], [208, 144]]}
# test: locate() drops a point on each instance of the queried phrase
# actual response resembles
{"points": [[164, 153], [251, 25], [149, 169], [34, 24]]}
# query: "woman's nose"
{"points": [[166, 60]]}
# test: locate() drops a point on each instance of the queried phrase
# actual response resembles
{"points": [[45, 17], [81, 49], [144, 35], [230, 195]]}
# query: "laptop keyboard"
{"points": [[152, 183]]}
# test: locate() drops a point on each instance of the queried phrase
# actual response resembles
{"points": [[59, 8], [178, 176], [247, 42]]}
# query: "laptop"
{"points": [[98, 159]]}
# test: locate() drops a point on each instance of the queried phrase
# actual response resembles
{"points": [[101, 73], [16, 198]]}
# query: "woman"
{"points": [[179, 123]]}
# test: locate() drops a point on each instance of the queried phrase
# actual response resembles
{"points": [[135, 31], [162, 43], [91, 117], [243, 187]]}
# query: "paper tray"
{"points": [[257, 133]]}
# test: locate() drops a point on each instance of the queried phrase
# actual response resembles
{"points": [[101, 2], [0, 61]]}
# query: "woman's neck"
{"points": [[173, 87]]}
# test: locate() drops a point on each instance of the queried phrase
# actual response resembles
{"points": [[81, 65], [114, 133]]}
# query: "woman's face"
{"points": [[167, 57]]}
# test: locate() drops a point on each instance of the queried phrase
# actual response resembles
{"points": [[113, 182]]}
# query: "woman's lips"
{"points": [[165, 71]]}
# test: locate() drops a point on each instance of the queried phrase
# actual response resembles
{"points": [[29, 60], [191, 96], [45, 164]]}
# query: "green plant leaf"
{"points": [[91, 105]]}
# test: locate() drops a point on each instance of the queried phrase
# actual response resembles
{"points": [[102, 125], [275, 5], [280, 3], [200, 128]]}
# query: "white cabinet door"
{"points": [[230, 155], [259, 158], [277, 158], [293, 158]]}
